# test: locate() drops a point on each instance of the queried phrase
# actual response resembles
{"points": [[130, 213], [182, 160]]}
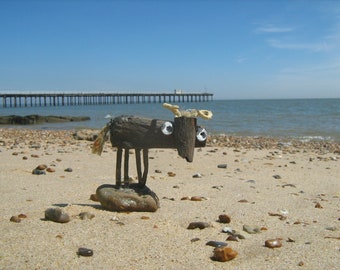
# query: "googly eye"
{"points": [[167, 128], [201, 134]]}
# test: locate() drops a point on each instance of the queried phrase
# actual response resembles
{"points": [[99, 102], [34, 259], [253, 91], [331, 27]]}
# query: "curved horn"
{"points": [[174, 108], [205, 114]]}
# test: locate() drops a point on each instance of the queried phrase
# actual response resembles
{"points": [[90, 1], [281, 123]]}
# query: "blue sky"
{"points": [[234, 49]]}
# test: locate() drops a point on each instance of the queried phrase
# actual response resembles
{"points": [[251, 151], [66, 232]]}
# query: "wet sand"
{"points": [[291, 190]]}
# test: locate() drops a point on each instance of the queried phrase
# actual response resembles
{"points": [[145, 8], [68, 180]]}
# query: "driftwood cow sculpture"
{"points": [[142, 134]]}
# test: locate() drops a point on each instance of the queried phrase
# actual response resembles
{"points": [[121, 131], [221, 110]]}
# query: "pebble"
{"points": [[86, 215], [224, 218], [158, 171], [38, 172], [93, 197], [273, 243], [318, 205], [51, 170], [223, 254], [197, 175], [198, 225], [86, 252], [68, 170], [222, 166], [216, 244], [22, 216], [232, 238], [251, 229], [197, 198], [228, 230], [57, 215], [194, 239], [171, 174], [41, 167], [276, 176], [15, 219]]}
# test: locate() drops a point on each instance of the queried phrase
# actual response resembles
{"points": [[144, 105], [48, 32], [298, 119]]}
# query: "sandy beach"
{"points": [[290, 190]]}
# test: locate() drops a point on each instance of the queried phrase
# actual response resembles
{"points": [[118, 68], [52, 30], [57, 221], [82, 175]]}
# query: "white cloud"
{"points": [[240, 60], [329, 68], [314, 47], [272, 29]]}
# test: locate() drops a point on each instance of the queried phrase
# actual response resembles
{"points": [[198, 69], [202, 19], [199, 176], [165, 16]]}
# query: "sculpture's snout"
{"points": [[185, 137]]}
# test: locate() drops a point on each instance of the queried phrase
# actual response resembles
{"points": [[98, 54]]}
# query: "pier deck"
{"points": [[69, 99]]}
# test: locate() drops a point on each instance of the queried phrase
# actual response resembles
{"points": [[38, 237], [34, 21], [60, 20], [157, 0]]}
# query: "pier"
{"points": [[71, 99]]}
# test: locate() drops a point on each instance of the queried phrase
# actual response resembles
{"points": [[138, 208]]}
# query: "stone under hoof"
{"points": [[131, 199]]}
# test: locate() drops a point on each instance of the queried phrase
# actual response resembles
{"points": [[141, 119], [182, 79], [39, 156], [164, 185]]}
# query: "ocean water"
{"points": [[304, 119]]}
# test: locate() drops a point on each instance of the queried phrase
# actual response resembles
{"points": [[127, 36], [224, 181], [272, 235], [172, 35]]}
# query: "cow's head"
{"points": [[187, 134]]}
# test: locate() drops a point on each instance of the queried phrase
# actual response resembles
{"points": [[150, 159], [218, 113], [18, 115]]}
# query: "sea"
{"points": [[302, 119]]}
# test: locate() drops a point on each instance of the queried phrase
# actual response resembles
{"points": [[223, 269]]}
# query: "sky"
{"points": [[242, 49]]}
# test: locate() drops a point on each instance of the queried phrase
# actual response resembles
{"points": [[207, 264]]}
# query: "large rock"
{"points": [[131, 199]]}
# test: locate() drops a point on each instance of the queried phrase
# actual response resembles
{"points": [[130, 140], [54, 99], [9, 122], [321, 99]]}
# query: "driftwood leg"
{"points": [[146, 166], [126, 167], [118, 167], [138, 164]]}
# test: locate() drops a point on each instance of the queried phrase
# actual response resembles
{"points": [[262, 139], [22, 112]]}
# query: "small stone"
{"points": [[222, 166], [22, 216], [223, 254], [198, 225], [93, 197], [276, 176], [86, 252], [171, 174], [301, 263], [228, 230], [24, 157], [232, 238], [243, 201], [318, 205], [57, 215], [15, 219], [273, 243], [224, 218], [68, 170], [38, 172], [34, 156], [186, 198], [50, 170], [197, 175], [41, 167], [333, 229], [197, 198], [216, 244], [158, 171], [251, 229], [240, 236], [194, 239], [144, 217], [86, 215]]}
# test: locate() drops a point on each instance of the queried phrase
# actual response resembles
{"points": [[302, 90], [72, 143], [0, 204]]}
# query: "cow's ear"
{"points": [[167, 128], [201, 134]]}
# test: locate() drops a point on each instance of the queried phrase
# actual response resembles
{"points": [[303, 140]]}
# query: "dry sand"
{"points": [[307, 175]]}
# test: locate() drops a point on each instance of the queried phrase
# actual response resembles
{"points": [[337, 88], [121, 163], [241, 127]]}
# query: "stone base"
{"points": [[131, 199]]}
